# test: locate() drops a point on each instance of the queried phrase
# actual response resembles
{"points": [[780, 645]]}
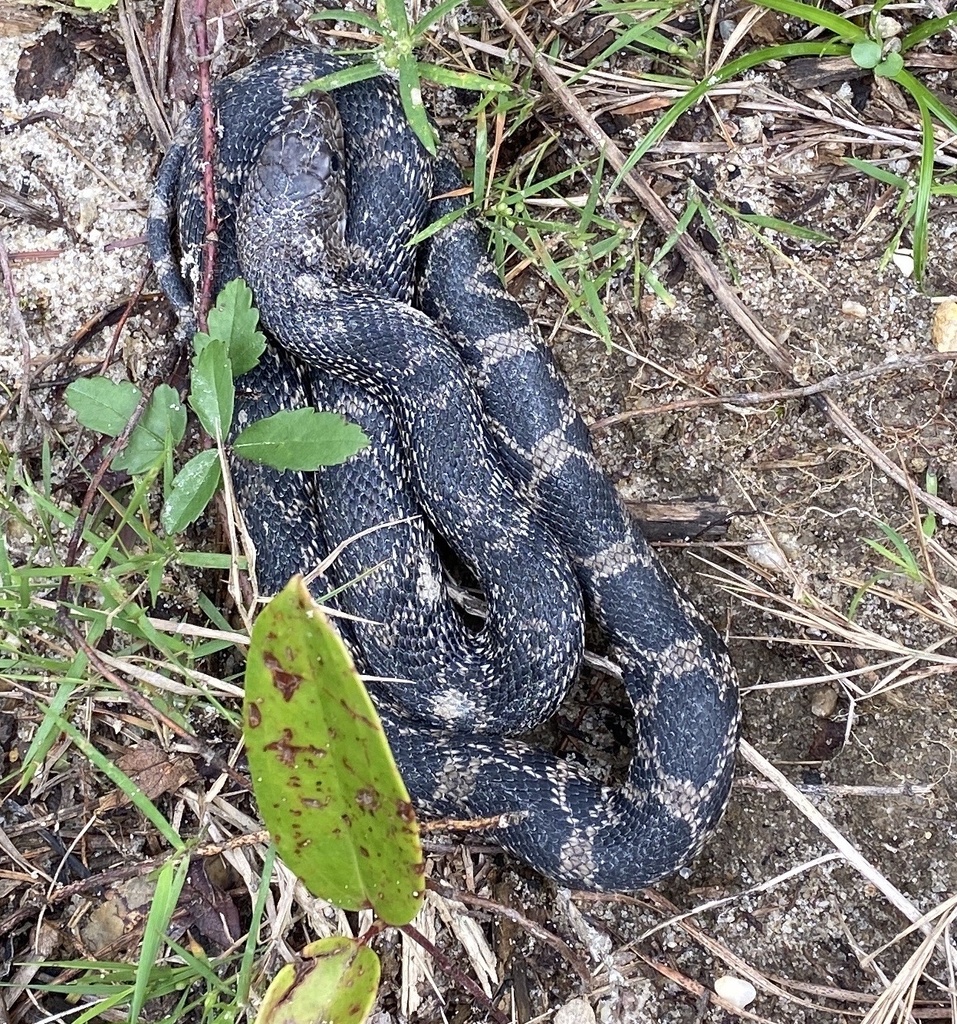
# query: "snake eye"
{"points": [[323, 162]]}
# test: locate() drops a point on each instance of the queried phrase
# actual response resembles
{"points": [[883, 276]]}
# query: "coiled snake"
{"points": [[474, 440]]}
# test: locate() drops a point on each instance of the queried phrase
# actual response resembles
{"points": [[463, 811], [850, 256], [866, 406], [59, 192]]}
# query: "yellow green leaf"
{"points": [[323, 774]]}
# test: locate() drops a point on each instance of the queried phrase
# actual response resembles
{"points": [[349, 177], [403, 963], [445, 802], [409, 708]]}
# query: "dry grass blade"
{"points": [[144, 76], [896, 1002], [850, 852], [889, 663]]}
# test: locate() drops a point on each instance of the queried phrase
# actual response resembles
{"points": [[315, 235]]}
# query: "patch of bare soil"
{"points": [[846, 662]]}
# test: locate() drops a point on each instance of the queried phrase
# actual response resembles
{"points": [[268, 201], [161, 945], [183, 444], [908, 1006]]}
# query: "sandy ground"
{"points": [[875, 759]]}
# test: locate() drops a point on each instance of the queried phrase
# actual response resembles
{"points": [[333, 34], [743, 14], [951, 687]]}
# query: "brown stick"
{"points": [[209, 164], [462, 980], [779, 357], [680, 520]]}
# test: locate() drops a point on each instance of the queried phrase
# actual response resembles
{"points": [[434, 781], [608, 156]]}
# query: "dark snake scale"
{"points": [[476, 448]]}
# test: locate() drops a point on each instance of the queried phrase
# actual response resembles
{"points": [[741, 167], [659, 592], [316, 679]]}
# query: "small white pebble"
{"points": [[854, 309], [769, 556], [904, 261], [737, 991], [578, 1011]]}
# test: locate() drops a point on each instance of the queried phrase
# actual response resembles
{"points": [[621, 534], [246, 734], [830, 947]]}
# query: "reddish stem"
{"points": [[209, 163]]}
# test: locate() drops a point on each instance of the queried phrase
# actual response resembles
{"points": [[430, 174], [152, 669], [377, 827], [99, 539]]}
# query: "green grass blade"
{"points": [[355, 17], [926, 29], [729, 72], [431, 17], [452, 79], [394, 22], [925, 179], [922, 94], [337, 79], [878, 173], [785, 227], [244, 979], [834, 23], [410, 92], [169, 884], [480, 180]]}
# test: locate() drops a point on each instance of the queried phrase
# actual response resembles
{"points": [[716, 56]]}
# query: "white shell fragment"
{"points": [[904, 261], [737, 991]]}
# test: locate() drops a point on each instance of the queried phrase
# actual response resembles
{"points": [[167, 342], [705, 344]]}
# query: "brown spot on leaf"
{"points": [[368, 799], [253, 715], [355, 714], [286, 682], [405, 810], [316, 804], [290, 752], [284, 748]]}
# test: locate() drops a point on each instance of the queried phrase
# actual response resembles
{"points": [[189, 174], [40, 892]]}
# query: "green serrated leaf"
{"points": [[211, 388], [101, 404], [159, 430], [235, 320], [193, 488], [327, 786], [337, 982], [300, 439]]}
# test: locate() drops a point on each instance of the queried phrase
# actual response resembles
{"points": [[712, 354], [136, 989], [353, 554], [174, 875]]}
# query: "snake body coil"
{"points": [[474, 437]]}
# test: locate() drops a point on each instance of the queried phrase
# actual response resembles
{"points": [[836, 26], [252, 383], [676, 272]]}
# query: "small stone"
{"points": [[888, 28], [578, 1011], [904, 261], [943, 328], [823, 701], [857, 310], [736, 991], [767, 554]]}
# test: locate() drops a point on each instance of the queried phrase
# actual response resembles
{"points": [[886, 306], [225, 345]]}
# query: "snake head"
{"points": [[300, 173]]}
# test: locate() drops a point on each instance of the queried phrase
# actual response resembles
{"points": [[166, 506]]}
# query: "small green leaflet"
{"points": [[327, 786], [336, 982], [160, 430], [193, 489], [300, 439], [211, 388], [101, 404], [234, 321]]}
